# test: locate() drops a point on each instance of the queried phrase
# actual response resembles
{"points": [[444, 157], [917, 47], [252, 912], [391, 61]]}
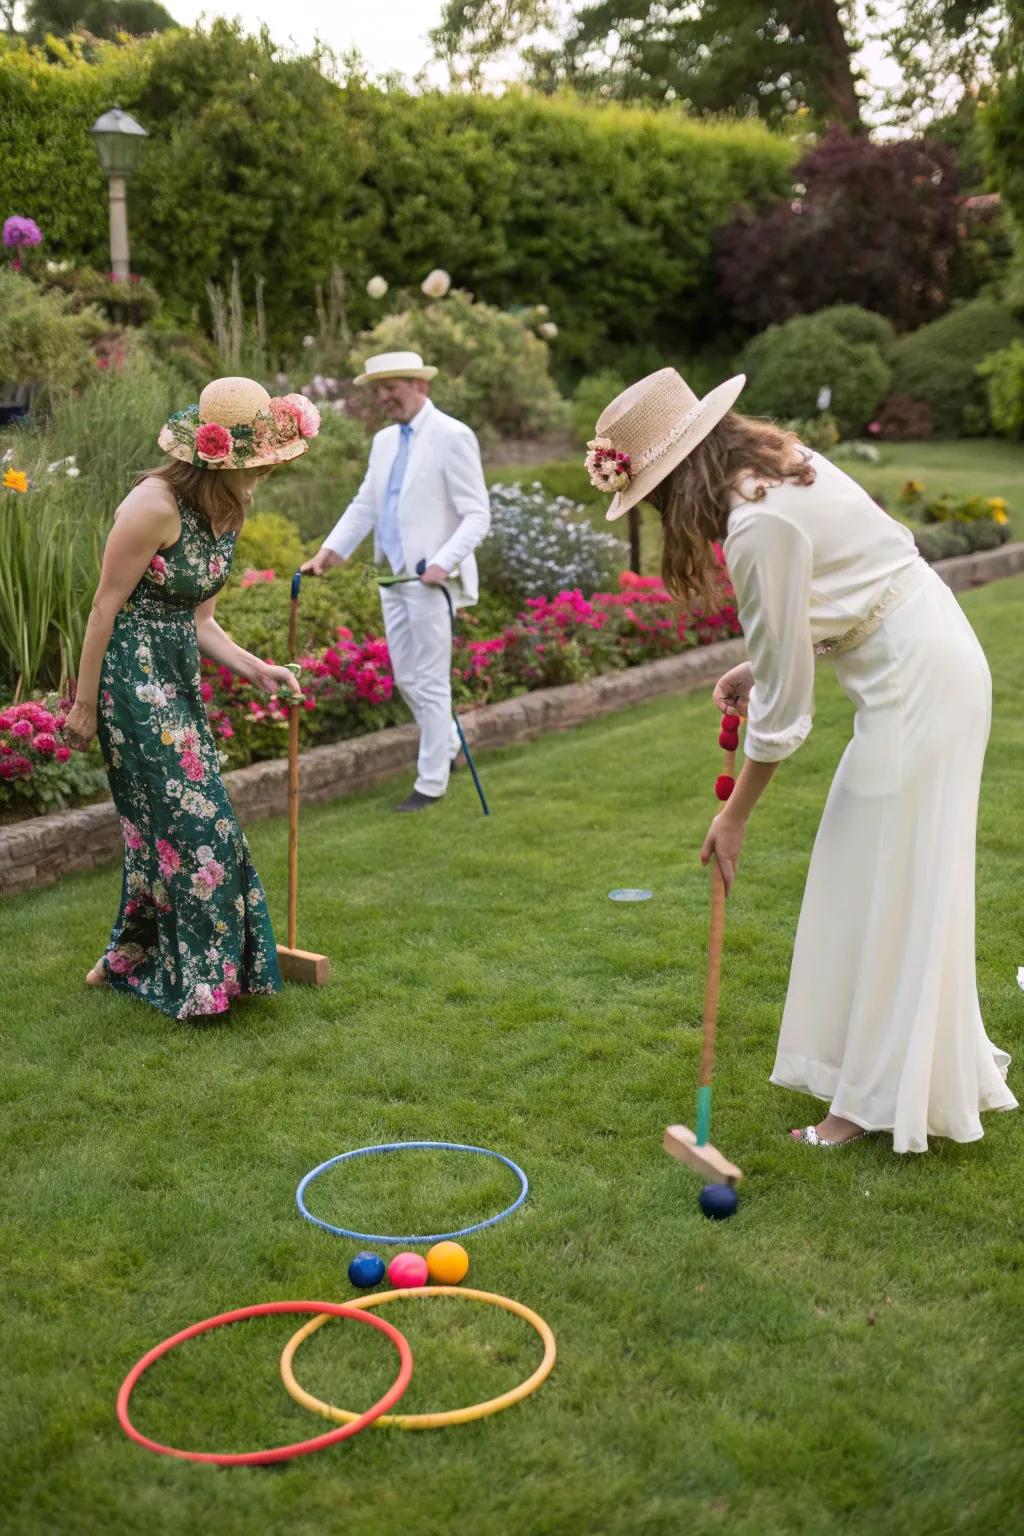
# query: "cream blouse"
{"points": [[808, 562]]}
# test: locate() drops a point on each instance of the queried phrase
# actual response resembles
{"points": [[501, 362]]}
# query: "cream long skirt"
{"points": [[882, 1015]]}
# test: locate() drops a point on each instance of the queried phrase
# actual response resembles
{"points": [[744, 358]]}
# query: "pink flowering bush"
{"points": [[349, 689], [38, 771]]}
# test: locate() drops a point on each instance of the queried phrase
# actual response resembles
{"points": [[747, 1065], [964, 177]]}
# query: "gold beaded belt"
{"points": [[904, 583]]}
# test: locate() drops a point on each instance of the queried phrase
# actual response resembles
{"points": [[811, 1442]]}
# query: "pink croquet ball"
{"points": [[407, 1270]]}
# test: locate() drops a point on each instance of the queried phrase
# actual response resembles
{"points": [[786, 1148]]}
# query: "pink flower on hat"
{"points": [[285, 420], [213, 442], [307, 417]]}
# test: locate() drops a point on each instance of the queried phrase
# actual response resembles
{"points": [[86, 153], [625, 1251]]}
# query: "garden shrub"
{"points": [[864, 223], [314, 490], [256, 616], [859, 325], [133, 302], [593, 392], [820, 433], [268, 541], [937, 363], [42, 340], [787, 366], [38, 771], [493, 369], [905, 420], [1004, 375], [538, 545]]}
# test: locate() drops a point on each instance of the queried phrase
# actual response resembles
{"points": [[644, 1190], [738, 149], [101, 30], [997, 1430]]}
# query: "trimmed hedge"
{"points": [[937, 364], [605, 214]]}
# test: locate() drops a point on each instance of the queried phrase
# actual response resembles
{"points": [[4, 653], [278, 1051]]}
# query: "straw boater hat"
{"points": [[395, 365], [648, 430], [236, 425]]}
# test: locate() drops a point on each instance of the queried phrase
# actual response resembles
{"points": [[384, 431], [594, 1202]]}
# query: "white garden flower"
{"points": [[309, 341], [73, 472], [377, 287], [436, 284], [549, 330]]}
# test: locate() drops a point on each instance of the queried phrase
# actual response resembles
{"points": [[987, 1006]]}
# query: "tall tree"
{"points": [[103, 18], [767, 59]]}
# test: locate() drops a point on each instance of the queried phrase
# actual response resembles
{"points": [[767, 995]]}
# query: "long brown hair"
{"points": [[214, 492], [693, 499]]}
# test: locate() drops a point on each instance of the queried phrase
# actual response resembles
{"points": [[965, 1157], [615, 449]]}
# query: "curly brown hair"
{"points": [[693, 499]]}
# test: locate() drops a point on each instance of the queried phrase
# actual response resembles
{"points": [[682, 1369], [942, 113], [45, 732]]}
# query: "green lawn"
{"points": [[843, 1355]]}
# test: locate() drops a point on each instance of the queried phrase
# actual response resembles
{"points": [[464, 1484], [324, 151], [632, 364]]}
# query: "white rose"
{"points": [[377, 287], [436, 284]]}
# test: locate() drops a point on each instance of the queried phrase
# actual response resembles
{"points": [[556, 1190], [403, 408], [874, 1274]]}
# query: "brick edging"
{"points": [[42, 849]]}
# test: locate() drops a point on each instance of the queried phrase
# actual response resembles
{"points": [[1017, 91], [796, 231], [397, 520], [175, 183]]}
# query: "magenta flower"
{"points": [[168, 857], [132, 835], [62, 754], [192, 767], [21, 728], [18, 231], [44, 744], [213, 442]]}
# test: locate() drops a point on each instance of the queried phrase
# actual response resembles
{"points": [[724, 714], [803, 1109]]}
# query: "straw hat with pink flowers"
{"points": [[648, 430], [237, 425]]}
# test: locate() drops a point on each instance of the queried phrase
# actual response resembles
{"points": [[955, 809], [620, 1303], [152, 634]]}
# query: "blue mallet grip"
{"points": [[421, 566], [296, 584]]}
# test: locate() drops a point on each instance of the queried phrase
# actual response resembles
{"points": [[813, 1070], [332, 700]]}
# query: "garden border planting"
{"points": [[40, 850]]}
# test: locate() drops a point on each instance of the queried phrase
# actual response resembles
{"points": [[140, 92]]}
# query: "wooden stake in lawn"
{"points": [[296, 964], [694, 1148]]}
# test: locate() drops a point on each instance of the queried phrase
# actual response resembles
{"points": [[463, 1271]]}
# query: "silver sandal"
{"points": [[810, 1138]]}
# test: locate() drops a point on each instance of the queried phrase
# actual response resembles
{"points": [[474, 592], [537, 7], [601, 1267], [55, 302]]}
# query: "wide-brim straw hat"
{"points": [[237, 425], [395, 365], [648, 430]]}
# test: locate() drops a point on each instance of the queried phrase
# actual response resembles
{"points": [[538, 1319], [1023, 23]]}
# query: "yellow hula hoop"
{"points": [[425, 1420]]}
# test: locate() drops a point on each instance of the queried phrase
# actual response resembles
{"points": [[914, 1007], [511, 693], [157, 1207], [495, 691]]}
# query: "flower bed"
{"points": [[349, 688]]}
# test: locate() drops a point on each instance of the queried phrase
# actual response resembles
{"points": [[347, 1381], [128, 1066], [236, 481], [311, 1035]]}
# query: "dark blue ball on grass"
{"points": [[365, 1270], [718, 1201]]}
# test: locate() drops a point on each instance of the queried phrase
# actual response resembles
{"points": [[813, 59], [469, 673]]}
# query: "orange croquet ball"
{"points": [[448, 1263]]}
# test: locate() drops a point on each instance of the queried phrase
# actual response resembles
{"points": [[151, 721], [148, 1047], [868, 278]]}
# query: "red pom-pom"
{"points": [[724, 785], [728, 739], [731, 722]]}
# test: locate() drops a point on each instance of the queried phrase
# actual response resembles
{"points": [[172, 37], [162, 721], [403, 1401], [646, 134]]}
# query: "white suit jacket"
{"points": [[444, 509]]}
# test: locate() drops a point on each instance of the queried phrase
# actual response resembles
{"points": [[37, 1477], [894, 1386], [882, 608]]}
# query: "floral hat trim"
{"points": [[609, 469], [281, 433]]}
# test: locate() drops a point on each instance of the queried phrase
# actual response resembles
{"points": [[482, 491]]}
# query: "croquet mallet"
{"points": [[296, 964], [691, 1148]]}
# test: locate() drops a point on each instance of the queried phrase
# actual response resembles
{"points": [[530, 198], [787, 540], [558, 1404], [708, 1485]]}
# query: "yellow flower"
{"points": [[998, 515], [167, 738], [911, 489], [997, 503], [16, 480]]}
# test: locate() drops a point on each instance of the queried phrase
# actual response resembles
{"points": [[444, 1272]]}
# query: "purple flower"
{"points": [[22, 232]]}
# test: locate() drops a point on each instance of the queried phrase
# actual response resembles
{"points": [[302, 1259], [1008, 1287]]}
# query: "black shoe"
{"points": [[418, 802]]}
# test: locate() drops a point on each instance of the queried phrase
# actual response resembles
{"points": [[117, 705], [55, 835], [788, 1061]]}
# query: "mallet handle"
{"points": [[715, 943], [293, 777]]}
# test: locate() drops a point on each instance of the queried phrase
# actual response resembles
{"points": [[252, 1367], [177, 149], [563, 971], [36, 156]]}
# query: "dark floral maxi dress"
{"points": [[193, 930]]}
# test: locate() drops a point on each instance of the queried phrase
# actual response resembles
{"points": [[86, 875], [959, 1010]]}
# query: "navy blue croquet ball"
{"points": [[365, 1270], [718, 1201]]}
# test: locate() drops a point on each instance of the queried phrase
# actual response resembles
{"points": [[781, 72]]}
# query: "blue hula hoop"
{"points": [[405, 1146]]}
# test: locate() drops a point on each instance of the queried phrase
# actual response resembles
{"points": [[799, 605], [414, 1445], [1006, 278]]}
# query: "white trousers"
{"points": [[419, 635]]}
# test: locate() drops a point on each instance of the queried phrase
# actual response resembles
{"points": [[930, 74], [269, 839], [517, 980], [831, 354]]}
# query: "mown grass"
{"points": [[839, 1356]]}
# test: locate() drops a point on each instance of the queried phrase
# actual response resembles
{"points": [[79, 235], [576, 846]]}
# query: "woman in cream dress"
{"points": [[881, 1018]]}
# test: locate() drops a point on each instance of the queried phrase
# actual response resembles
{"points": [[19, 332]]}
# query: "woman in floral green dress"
{"points": [[193, 930]]}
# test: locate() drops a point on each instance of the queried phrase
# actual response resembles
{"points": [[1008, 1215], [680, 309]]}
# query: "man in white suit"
{"points": [[425, 500]]}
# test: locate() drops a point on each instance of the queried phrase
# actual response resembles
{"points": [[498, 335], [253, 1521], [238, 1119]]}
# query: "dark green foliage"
{"points": [[788, 365], [101, 18], [605, 215], [859, 325], [937, 363]]}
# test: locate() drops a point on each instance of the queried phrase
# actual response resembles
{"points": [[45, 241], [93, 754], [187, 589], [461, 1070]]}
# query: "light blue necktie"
{"points": [[390, 536]]}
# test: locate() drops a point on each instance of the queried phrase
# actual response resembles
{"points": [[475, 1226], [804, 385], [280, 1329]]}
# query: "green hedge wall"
{"points": [[604, 214]]}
